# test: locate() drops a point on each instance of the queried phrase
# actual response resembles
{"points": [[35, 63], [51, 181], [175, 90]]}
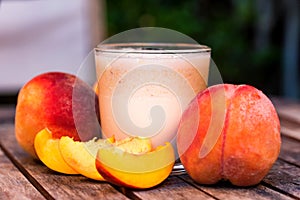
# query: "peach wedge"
{"points": [[47, 150], [81, 155], [123, 167]]}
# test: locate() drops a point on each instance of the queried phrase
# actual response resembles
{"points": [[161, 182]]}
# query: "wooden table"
{"points": [[22, 177]]}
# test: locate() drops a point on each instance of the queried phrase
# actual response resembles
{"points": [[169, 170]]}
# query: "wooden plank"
{"points": [[7, 113], [173, 188], [288, 109], [290, 150], [291, 133], [291, 112], [10, 177], [290, 128], [289, 115], [224, 190], [285, 177], [52, 184]]}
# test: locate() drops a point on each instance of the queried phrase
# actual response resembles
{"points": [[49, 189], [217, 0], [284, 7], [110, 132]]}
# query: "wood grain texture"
{"points": [[173, 188], [290, 128], [289, 110], [10, 177], [224, 190], [52, 184], [7, 114], [284, 177], [289, 115], [290, 151]]}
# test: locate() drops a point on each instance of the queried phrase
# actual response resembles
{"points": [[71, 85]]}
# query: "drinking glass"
{"points": [[143, 88]]}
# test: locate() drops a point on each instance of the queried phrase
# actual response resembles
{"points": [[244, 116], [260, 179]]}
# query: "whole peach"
{"points": [[59, 101], [229, 132]]}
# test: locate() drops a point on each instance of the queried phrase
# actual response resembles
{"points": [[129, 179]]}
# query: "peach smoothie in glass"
{"points": [[144, 88]]}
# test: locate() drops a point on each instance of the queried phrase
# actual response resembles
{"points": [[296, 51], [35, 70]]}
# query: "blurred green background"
{"points": [[252, 41]]}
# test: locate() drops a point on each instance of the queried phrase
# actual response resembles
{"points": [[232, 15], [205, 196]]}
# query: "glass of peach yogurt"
{"points": [[144, 88]]}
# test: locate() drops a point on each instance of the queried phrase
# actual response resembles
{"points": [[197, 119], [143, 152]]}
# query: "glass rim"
{"points": [[152, 48]]}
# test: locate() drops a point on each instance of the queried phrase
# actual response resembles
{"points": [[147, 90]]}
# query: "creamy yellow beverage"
{"points": [[144, 88]]}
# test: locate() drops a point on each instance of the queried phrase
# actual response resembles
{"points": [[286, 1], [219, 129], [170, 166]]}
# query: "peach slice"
{"points": [[47, 150], [81, 155], [126, 167]]}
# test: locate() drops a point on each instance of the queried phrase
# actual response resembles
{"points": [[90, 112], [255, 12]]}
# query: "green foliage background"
{"points": [[228, 28]]}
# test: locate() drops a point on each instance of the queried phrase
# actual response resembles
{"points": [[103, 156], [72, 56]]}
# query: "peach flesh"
{"points": [[249, 142], [48, 152], [48, 101], [81, 155], [146, 170]]}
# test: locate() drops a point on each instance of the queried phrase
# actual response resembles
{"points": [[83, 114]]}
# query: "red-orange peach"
{"points": [[229, 132], [60, 102]]}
